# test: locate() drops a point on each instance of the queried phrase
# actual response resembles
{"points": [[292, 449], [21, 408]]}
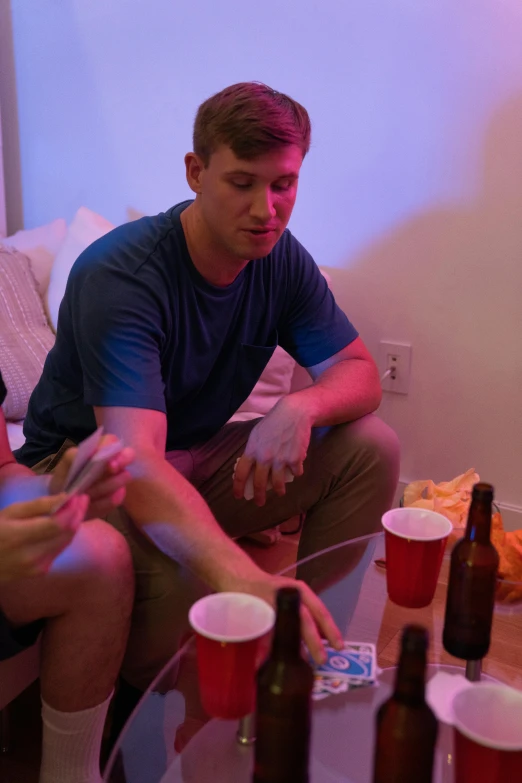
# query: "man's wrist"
{"points": [[237, 573], [303, 404]]}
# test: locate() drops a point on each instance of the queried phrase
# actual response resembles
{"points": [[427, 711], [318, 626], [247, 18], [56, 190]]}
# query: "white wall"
{"points": [[412, 192]]}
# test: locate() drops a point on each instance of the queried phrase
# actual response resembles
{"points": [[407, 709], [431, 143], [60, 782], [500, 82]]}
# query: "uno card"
{"points": [[355, 662], [86, 450], [90, 467]]}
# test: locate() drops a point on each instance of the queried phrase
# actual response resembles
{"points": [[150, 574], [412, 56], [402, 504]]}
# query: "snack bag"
{"points": [[452, 499]]}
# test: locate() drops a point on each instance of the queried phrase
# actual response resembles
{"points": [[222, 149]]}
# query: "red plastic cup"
{"points": [[415, 541], [232, 638], [488, 734]]}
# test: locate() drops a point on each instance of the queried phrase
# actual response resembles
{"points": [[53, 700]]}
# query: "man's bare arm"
{"points": [[167, 508], [174, 516], [346, 386]]}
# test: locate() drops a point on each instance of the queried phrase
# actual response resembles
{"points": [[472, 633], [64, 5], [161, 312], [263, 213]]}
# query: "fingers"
{"points": [[49, 533], [122, 460], [241, 473], [104, 488], [102, 506], [260, 482], [278, 476], [321, 619], [71, 515], [33, 508]]}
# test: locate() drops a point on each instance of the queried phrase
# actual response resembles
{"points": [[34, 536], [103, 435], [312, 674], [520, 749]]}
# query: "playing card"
{"points": [[86, 450], [355, 662], [328, 686], [91, 470]]}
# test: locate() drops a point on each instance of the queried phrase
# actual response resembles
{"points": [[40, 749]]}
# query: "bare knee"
{"points": [[103, 553], [95, 570], [97, 566]]}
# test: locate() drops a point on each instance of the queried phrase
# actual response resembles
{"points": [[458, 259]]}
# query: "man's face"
{"points": [[246, 204]]}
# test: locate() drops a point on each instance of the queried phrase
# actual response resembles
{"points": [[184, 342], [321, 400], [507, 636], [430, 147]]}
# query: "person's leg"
{"points": [[86, 599], [164, 594], [350, 476]]}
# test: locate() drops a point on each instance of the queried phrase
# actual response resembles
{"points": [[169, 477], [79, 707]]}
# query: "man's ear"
{"points": [[194, 169]]}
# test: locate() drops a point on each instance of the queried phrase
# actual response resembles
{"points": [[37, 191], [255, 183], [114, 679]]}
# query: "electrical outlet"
{"points": [[397, 358]]}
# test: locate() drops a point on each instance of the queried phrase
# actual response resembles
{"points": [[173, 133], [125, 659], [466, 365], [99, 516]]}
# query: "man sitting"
{"points": [[164, 329], [71, 580]]}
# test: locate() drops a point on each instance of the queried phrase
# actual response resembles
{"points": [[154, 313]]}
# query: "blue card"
{"points": [[355, 662]]}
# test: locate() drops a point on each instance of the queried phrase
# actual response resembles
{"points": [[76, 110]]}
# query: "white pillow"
{"points": [[276, 381], [85, 228], [40, 245], [25, 336]]}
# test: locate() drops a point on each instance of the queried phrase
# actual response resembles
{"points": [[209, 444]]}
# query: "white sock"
{"points": [[71, 744]]}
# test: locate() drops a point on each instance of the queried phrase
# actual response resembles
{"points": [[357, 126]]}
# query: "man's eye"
{"points": [[282, 186], [241, 185]]}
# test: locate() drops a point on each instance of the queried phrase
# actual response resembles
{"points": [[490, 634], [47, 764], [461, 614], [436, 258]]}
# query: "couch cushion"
{"points": [[40, 245], [85, 228], [25, 336]]}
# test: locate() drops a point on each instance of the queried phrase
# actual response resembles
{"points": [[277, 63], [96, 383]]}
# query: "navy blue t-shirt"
{"points": [[140, 327]]}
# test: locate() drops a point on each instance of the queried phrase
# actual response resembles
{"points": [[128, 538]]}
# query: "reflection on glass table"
{"points": [[170, 739]]}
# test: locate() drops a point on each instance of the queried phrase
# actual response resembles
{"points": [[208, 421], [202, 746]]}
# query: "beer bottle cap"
{"points": [[415, 639], [482, 491], [288, 598]]}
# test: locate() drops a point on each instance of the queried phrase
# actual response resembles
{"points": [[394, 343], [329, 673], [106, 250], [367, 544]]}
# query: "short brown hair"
{"points": [[252, 119]]}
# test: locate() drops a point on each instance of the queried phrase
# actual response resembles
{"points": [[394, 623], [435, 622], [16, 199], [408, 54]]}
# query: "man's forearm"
{"points": [[174, 516], [344, 392]]}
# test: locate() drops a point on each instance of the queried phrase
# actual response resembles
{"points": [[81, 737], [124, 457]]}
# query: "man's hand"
{"points": [[279, 440], [106, 493], [316, 620], [31, 537]]}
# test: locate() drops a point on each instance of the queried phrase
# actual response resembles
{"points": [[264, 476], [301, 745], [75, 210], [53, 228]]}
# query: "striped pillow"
{"points": [[25, 336]]}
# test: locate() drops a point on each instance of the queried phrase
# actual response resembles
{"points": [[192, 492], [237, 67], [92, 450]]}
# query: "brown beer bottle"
{"points": [[472, 582], [406, 726], [284, 689]]}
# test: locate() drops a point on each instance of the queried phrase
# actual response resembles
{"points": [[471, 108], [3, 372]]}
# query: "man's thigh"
{"points": [[342, 472]]}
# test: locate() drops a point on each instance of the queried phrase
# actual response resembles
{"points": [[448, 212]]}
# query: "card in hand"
{"points": [[355, 662], [90, 466], [86, 450]]}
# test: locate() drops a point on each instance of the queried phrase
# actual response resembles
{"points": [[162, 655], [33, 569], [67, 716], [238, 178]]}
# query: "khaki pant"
{"points": [[350, 477]]}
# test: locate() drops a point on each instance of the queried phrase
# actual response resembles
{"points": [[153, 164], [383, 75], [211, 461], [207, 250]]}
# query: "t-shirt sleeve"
{"points": [[314, 327], [117, 321]]}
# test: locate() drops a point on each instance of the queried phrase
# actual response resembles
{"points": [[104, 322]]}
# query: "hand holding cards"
{"points": [[89, 464]]}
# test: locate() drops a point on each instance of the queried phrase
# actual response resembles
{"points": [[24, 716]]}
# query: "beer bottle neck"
{"points": [[410, 683], [478, 527], [286, 644]]}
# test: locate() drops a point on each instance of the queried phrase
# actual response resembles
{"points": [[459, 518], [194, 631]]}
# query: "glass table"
{"points": [[169, 738]]}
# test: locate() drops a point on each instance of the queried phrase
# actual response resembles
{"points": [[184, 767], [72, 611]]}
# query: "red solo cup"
{"points": [[488, 734], [415, 542], [232, 639]]}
